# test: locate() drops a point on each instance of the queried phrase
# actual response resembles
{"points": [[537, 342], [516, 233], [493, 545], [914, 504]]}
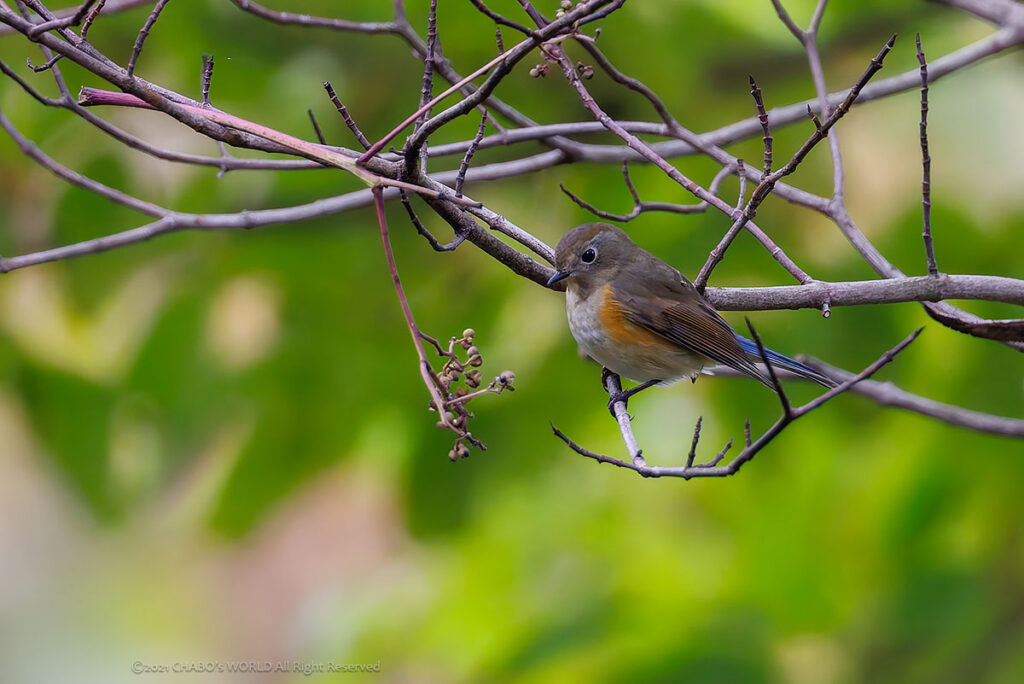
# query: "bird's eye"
{"points": [[589, 255]]}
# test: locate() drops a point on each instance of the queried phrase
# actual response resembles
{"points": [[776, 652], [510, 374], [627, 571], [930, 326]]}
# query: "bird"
{"points": [[641, 319]]}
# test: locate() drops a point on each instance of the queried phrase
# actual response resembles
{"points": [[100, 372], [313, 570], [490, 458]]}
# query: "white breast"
{"points": [[637, 362], [583, 322]]}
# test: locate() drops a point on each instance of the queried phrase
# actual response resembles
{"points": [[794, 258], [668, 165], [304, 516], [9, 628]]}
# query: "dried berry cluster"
{"points": [[459, 383]]}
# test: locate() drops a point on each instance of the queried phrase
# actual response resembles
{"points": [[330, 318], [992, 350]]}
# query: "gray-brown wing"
{"points": [[680, 314]]}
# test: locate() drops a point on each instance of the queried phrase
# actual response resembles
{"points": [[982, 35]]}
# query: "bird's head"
{"points": [[591, 255]]}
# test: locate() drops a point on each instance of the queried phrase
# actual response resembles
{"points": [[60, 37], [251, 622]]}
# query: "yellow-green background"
{"points": [[215, 446]]}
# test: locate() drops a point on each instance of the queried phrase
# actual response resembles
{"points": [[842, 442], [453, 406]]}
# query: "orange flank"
{"points": [[622, 331]]}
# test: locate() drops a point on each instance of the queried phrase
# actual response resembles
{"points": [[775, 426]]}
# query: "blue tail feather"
{"points": [[781, 361]]}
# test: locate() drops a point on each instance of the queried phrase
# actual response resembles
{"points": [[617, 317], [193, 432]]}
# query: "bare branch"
{"points": [[427, 235], [788, 21], [31, 150], [856, 293], [109, 7], [640, 207], [318, 22], [327, 156], [998, 12], [639, 465], [389, 175], [767, 184], [639, 146], [403, 301], [742, 194], [1009, 330], [48, 64], [501, 64], [412, 151], [63, 22], [499, 19], [888, 394], [940, 311]]}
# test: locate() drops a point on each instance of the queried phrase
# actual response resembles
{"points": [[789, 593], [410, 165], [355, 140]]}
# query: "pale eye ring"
{"points": [[588, 255]]}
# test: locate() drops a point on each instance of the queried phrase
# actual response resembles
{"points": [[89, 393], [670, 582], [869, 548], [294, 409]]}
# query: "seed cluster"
{"points": [[459, 383]]}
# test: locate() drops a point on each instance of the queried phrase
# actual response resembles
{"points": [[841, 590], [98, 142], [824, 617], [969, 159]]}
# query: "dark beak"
{"points": [[559, 275]]}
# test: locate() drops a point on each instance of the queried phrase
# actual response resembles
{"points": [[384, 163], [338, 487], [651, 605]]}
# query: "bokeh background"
{"points": [[214, 447]]}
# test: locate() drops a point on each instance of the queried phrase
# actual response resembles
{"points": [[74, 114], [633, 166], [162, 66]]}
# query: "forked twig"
{"points": [[328, 156], [768, 182], [644, 150], [641, 207], [59, 23]]}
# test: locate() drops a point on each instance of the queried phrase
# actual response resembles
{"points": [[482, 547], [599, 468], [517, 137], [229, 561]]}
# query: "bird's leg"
{"points": [[622, 395]]}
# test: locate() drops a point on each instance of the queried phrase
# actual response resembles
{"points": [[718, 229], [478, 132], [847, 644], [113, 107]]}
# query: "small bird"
{"points": [[641, 319]]}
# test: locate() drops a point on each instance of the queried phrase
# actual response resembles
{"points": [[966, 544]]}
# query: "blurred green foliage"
{"points": [[238, 372]]}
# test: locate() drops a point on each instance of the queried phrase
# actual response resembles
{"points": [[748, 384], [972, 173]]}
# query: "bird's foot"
{"points": [[624, 395]]}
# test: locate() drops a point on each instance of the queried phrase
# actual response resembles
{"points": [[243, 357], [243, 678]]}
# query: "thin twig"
{"points": [[31, 150], [788, 21], [640, 207], [570, 72], [110, 8], [377, 146], [762, 116], [814, 118], [693, 445], [427, 235], [141, 38], [48, 64], [91, 17], [787, 409], [424, 365], [926, 165], [326, 155], [876, 63], [501, 20], [309, 21], [810, 43], [413, 153], [207, 76], [742, 194], [349, 121], [316, 127], [59, 23], [504, 63], [464, 166], [765, 187]]}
